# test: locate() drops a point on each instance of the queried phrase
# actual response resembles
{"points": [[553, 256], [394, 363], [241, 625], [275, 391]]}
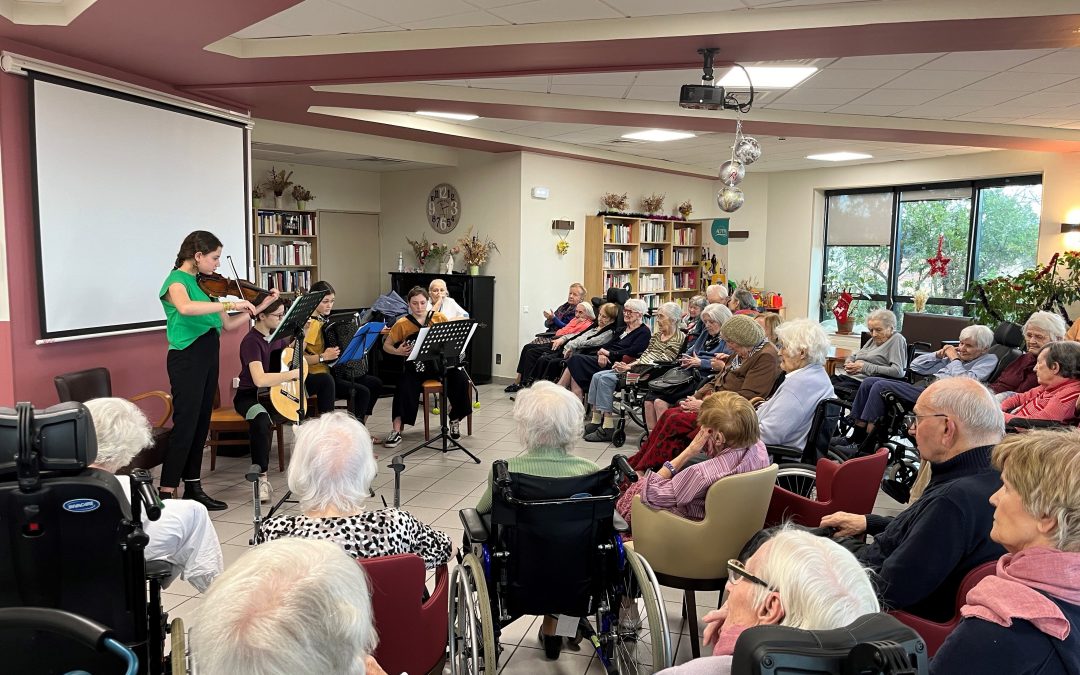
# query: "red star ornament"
{"points": [[939, 264]]}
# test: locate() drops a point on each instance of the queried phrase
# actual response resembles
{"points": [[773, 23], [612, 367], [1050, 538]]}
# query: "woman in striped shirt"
{"points": [[729, 435]]}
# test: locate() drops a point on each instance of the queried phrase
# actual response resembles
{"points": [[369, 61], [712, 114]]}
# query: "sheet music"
{"points": [[472, 330], [416, 345]]}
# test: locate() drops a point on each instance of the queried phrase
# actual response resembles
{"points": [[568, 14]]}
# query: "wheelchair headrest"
{"points": [[780, 649], [62, 435], [1009, 335]]}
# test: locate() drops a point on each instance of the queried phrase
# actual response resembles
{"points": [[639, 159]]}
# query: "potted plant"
{"points": [[438, 252], [302, 195], [257, 193], [653, 204], [277, 183], [614, 203], [476, 251], [422, 251], [1051, 287], [843, 310], [685, 209]]}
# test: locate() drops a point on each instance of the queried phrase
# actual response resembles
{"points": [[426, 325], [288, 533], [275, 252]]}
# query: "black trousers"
{"points": [[529, 355], [193, 375], [321, 386], [260, 427], [409, 387], [362, 393], [548, 366]]}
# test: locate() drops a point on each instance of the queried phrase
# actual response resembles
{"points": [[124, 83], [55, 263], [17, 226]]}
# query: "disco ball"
{"points": [[732, 173], [729, 199], [748, 150]]}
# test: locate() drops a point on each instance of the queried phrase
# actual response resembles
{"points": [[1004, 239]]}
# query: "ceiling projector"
{"points": [[701, 97]]}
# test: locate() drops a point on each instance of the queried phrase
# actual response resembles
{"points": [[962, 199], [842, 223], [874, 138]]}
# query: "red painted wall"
{"points": [[137, 361], [7, 379]]}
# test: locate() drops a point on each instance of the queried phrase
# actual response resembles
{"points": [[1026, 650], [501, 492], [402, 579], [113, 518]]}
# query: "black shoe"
{"points": [[513, 387], [601, 435], [193, 490], [552, 645], [590, 428], [166, 495]]}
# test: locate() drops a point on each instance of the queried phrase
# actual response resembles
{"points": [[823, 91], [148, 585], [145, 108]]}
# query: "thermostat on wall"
{"points": [[540, 193]]}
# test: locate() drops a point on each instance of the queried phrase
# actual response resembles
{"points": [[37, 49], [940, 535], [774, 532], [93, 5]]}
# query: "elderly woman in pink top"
{"points": [[729, 435], [1057, 369]]}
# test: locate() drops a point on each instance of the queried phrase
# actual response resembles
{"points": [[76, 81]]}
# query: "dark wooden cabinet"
{"points": [[477, 296]]}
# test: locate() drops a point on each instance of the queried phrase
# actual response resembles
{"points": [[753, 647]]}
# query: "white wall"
{"points": [[489, 186], [746, 257], [796, 207], [334, 189]]}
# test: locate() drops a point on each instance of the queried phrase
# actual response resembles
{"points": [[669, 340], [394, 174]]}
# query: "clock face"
{"points": [[443, 208]]}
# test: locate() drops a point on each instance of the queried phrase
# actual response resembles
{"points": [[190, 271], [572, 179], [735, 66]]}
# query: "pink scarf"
{"points": [[1013, 592], [574, 327], [725, 642]]}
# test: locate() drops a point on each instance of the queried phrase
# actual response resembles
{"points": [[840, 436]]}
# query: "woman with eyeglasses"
{"points": [[257, 370], [631, 342], [794, 579]]}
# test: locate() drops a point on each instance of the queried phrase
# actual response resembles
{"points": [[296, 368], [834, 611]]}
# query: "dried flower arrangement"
{"points": [[301, 193], [257, 192], [278, 181], [653, 204], [614, 202], [421, 249], [476, 251], [685, 209]]}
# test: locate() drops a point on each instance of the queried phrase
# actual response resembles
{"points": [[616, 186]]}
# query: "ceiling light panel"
{"points": [[767, 77], [463, 117], [839, 156], [658, 135]]}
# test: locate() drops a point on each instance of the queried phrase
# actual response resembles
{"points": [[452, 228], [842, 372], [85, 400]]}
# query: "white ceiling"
{"points": [[273, 152]]}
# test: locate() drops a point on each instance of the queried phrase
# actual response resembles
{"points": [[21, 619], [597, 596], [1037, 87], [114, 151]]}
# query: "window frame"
{"points": [[891, 298]]}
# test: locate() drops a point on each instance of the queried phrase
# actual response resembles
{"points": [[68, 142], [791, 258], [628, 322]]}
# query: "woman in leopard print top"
{"points": [[331, 471]]}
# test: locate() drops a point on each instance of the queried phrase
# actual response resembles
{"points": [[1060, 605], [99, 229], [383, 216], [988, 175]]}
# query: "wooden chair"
{"points": [[84, 385], [692, 555], [227, 420], [434, 388]]}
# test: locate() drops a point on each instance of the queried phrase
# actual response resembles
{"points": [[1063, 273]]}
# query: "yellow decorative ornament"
{"points": [[562, 247]]}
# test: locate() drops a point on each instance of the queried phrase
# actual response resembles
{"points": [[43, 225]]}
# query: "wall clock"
{"points": [[443, 208]]}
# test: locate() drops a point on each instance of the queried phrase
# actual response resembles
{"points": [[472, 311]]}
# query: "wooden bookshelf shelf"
{"points": [[286, 246]]}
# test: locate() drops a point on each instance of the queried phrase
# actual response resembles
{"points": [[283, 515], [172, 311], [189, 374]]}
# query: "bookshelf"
{"points": [[658, 257], [286, 250]]}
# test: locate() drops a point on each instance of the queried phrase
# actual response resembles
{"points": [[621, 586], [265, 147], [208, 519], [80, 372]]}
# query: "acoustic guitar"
{"points": [[285, 398]]}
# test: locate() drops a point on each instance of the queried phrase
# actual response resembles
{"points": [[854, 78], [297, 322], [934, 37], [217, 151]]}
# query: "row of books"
{"points": [[285, 253], [650, 257], [294, 224], [617, 233], [684, 256], [286, 281], [616, 280], [685, 236], [652, 282], [651, 231], [618, 258], [687, 279], [652, 300]]}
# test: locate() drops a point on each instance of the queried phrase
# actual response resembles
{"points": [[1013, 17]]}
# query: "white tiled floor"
{"points": [[434, 487]]}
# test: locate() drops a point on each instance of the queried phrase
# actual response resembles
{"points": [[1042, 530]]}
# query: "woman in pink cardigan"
{"points": [[1058, 371]]}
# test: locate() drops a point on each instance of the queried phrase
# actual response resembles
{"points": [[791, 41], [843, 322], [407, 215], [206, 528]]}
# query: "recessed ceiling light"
{"points": [[658, 135], [767, 77], [840, 156], [450, 116]]}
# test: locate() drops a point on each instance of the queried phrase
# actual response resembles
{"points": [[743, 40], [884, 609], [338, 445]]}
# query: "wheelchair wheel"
{"points": [[472, 633], [618, 437], [798, 478], [178, 656], [639, 642]]}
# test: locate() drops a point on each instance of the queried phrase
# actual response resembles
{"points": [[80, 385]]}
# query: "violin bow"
{"points": [[236, 278]]}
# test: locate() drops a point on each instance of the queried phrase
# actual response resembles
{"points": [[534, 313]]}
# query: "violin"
{"points": [[217, 286]]}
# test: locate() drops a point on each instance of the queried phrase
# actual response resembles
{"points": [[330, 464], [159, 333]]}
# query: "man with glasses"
{"points": [[257, 371], [772, 588], [922, 555]]}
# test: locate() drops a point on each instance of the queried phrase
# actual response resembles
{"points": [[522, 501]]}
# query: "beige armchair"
{"points": [[692, 555]]}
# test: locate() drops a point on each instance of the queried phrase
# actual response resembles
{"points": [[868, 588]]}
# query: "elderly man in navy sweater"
{"points": [[922, 555]]}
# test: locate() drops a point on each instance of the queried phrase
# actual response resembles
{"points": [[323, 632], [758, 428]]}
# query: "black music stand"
{"points": [[441, 345]]}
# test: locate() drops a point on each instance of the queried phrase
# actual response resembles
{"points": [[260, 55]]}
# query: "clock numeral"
{"points": [[431, 208], [453, 208], [444, 192]]}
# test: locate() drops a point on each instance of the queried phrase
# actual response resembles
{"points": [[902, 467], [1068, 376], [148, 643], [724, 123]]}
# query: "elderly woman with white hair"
{"points": [[330, 474], [787, 415], [584, 319], [1020, 619], [884, 355], [967, 359], [183, 536], [1041, 329], [663, 346], [794, 579], [631, 342], [290, 606], [692, 324]]}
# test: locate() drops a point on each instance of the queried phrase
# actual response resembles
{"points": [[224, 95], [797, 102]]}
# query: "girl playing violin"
{"points": [[319, 382], [193, 326], [257, 370], [407, 395]]}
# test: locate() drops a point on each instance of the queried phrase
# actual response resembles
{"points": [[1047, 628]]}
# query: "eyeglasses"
{"points": [[277, 315], [737, 572], [911, 420]]}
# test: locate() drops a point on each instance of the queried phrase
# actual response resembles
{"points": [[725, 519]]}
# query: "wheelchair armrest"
{"points": [[475, 529], [1018, 423], [621, 525], [165, 398], [547, 334], [158, 570], [781, 453]]}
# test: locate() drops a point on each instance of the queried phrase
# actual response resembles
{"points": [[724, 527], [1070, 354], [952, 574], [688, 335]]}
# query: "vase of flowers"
{"points": [[302, 195], [685, 209], [422, 251], [437, 254], [476, 251], [257, 193], [277, 183], [653, 204]]}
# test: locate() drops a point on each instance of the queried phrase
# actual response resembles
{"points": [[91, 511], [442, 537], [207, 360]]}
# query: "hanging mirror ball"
{"points": [[732, 172], [748, 150], [729, 199]]}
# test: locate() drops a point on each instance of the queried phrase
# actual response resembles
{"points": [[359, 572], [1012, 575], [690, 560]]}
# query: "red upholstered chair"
{"points": [[851, 486], [412, 631], [934, 633]]}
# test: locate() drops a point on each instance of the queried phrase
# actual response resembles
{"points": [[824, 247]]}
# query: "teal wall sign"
{"points": [[720, 230]]}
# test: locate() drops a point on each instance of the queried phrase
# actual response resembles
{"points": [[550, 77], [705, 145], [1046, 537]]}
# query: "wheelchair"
{"points": [[75, 543], [631, 388], [553, 547]]}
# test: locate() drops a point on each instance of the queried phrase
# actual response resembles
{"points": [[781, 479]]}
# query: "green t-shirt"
{"points": [[183, 330]]}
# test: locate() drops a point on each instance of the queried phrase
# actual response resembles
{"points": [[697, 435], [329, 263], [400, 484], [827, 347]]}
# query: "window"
{"points": [[877, 241]]}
